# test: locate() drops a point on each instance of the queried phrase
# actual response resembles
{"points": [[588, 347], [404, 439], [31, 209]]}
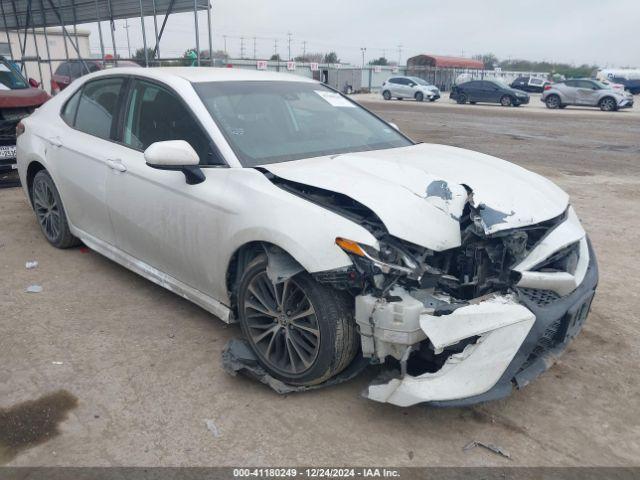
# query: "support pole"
{"points": [[35, 41], [113, 37], [64, 40], [23, 49], [66, 33], [46, 37], [23, 67], [6, 30], [100, 30], [209, 7], [144, 37], [195, 16], [164, 24], [155, 25]]}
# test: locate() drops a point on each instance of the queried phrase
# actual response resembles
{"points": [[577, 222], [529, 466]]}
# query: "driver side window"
{"points": [[155, 114]]}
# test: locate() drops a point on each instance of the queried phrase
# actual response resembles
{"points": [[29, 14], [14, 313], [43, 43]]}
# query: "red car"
{"points": [[67, 72], [18, 99]]}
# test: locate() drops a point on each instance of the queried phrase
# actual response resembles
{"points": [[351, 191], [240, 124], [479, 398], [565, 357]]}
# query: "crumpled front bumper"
{"points": [[519, 336]]}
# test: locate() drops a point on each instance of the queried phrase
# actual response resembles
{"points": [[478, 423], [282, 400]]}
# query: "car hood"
{"points": [[419, 191], [22, 97]]}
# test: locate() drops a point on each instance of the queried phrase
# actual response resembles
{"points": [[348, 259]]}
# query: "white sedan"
{"points": [[274, 201]]}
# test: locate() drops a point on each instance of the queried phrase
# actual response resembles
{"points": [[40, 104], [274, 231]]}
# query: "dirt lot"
{"points": [[142, 366]]}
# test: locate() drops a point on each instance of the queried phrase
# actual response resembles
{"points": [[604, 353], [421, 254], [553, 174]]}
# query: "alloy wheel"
{"points": [[282, 324], [47, 210], [553, 102], [608, 105]]}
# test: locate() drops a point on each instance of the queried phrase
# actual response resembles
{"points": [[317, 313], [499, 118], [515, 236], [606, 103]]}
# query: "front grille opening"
{"points": [[551, 337], [540, 297]]}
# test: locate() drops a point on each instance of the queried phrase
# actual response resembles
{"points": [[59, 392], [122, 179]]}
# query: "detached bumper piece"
{"points": [[501, 326], [486, 346]]}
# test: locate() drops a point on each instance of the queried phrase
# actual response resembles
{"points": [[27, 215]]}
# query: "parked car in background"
{"points": [[409, 87], [67, 72], [19, 97], [587, 93], [614, 86], [328, 235], [529, 84], [628, 77], [488, 91]]}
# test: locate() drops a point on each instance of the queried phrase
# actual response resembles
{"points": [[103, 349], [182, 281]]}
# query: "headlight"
{"points": [[388, 259]]}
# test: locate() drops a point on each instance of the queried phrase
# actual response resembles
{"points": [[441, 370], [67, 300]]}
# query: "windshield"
{"points": [[271, 122], [10, 77]]}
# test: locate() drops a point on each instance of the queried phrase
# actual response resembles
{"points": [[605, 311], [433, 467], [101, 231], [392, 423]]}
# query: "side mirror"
{"points": [[34, 83], [175, 155]]}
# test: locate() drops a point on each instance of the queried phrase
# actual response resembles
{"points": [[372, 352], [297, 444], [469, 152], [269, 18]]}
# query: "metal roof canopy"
{"points": [[88, 11]]}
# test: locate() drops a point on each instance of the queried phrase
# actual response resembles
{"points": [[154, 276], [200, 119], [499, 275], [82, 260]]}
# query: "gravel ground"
{"points": [[132, 373]]}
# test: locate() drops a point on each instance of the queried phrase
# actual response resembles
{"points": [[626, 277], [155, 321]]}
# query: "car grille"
{"points": [[564, 328], [8, 132], [539, 297], [549, 339], [9, 118]]}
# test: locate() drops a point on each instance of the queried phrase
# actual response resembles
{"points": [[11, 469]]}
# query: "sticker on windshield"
{"points": [[335, 99]]}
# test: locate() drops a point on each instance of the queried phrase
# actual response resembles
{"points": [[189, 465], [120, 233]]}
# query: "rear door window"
{"points": [[98, 106]]}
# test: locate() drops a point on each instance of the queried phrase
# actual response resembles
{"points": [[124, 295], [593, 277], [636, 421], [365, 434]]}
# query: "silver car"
{"points": [[586, 93], [409, 87]]}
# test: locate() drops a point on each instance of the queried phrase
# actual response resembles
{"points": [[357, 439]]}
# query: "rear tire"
{"points": [[302, 332], [552, 102], [386, 95], [608, 104], [419, 96], [50, 212]]}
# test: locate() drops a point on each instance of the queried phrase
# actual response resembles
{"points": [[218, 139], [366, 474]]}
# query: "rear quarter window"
{"points": [[68, 112]]}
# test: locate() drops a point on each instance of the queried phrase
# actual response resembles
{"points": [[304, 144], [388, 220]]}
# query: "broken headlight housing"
{"points": [[389, 259]]}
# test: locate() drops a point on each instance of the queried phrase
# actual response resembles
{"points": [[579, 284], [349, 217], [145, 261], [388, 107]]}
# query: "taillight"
{"points": [[19, 129], [547, 87], [55, 88]]}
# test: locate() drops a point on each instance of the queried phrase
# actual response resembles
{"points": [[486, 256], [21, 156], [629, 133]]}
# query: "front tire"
{"points": [[506, 101], [462, 99], [386, 95], [552, 102], [608, 104], [302, 332], [50, 212], [419, 96]]}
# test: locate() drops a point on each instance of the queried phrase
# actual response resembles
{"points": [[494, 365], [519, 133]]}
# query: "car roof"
{"points": [[205, 74]]}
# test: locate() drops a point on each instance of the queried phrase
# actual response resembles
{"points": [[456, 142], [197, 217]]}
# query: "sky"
{"points": [[572, 31]]}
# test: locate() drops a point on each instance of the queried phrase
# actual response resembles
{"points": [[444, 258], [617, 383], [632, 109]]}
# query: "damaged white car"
{"points": [[332, 238]]}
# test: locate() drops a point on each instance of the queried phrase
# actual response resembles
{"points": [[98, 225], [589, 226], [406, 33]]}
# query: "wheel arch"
{"points": [[246, 253], [606, 97], [32, 169]]}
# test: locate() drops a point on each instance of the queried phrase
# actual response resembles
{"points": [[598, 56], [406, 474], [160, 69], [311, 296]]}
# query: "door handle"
{"points": [[116, 164], [55, 141]]}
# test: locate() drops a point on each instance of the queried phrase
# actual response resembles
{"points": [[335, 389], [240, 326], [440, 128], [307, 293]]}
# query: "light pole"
{"points": [[126, 27], [363, 50]]}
